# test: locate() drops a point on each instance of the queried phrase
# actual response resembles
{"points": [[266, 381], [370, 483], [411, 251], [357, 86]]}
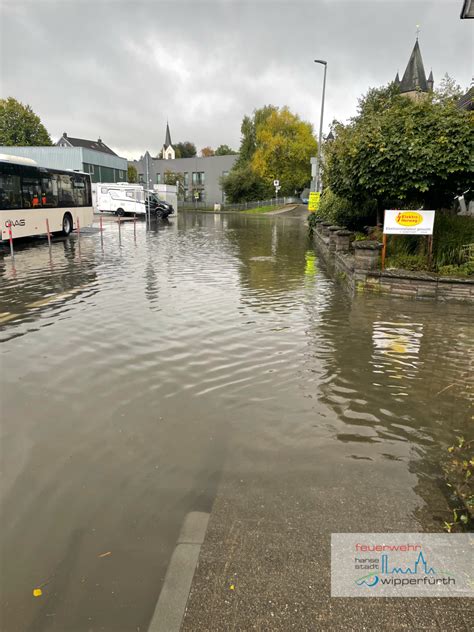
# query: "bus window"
{"points": [[50, 191], [31, 192], [80, 190], [10, 191], [66, 192]]}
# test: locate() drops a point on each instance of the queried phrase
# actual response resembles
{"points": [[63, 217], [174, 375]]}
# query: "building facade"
{"points": [[93, 157], [200, 176]]}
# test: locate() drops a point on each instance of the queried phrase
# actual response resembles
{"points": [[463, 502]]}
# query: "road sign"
{"points": [[313, 203], [276, 183], [408, 222]]}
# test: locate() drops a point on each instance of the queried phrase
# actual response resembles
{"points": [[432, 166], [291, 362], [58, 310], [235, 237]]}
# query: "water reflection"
{"points": [[141, 372]]}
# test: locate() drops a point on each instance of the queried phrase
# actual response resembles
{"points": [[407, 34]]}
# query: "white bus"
{"points": [[30, 195]]}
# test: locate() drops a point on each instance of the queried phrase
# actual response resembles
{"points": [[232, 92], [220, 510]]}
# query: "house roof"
{"points": [[467, 10], [466, 101], [414, 77], [168, 137], [96, 145]]}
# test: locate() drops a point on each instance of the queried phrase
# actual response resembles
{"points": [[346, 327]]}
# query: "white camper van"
{"points": [[123, 198]]}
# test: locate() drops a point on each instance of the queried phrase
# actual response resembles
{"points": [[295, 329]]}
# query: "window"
{"points": [[158, 178], [186, 179], [10, 191], [66, 192], [198, 178], [121, 175], [80, 190], [50, 191], [140, 178], [31, 192]]}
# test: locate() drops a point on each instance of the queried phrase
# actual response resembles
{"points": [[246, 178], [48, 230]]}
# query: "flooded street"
{"points": [[141, 376]]}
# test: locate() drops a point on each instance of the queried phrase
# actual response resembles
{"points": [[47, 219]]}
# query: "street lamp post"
{"points": [[318, 160], [147, 198]]}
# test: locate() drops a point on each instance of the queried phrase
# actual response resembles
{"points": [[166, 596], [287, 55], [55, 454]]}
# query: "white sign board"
{"points": [[408, 222], [276, 183]]}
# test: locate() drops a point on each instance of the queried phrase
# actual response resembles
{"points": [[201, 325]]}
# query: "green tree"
{"points": [[132, 174], [284, 146], [401, 152], [19, 125], [248, 129], [173, 177], [224, 150], [448, 90], [185, 150], [243, 185]]}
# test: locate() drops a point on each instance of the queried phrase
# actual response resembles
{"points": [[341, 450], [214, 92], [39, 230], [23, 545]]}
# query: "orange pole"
{"points": [[430, 249], [384, 250]]}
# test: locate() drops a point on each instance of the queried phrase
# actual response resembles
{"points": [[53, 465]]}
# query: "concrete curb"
{"points": [[172, 601]]}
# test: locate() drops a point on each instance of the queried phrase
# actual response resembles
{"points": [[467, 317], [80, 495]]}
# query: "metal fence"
{"points": [[243, 206]]}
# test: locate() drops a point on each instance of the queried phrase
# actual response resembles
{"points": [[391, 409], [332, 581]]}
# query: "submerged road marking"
{"points": [[57, 297], [5, 316], [171, 605]]}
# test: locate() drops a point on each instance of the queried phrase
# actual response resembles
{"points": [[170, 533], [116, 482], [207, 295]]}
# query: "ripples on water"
{"points": [[136, 372]]}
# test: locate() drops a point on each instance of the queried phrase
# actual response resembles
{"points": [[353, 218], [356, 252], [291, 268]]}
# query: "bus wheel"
{"points": [[119, 212], [67, 225]]}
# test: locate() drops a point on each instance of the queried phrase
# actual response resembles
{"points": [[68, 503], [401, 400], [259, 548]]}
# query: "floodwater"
{"points": [[135, 372]]}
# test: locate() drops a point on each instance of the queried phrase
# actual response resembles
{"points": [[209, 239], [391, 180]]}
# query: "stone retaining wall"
{"points": [[357, 264]]}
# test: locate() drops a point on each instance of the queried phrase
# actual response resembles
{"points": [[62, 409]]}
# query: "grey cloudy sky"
{"points": [[119, 69]]}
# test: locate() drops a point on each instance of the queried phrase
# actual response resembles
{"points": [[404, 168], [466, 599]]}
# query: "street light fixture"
{"points": [[318, 161]]}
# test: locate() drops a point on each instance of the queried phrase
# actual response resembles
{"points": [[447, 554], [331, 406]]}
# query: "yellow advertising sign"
{"points": [[409, 218], [407, 222], [313, 203]]}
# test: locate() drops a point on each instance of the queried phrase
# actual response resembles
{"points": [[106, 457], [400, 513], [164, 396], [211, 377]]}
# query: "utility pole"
{"points": [[146, 189], [318, 160]]}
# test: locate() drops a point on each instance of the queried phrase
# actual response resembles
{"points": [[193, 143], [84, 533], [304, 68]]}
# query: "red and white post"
{"points": [[10, 237]]}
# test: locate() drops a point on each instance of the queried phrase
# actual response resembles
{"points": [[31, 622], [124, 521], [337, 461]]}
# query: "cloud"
{"points": [[119, 69]]}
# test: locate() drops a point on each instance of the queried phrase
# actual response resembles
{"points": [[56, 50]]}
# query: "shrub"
{"points": [[340, 211], [464, 270], [407, 262], [451, 232]]}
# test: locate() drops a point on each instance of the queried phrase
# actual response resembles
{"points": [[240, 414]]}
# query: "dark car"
{"points": [[160, 208]]}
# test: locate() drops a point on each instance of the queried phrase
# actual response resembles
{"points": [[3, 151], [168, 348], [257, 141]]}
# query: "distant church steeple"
{"points": [[414, 83], [168, 150], [430, 81]]}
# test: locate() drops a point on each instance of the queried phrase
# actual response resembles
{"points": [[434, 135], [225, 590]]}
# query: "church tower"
{"points": [[414, 84], [168, 150]]}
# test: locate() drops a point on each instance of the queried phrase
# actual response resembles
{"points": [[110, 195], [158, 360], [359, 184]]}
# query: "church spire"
{"points": [[168, 136], [430, 81], [414, 78]]}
